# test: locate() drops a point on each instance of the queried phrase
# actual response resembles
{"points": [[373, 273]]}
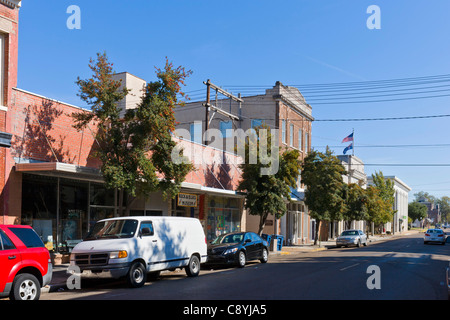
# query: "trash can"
{"points": [[267, 237], [279, 239]]}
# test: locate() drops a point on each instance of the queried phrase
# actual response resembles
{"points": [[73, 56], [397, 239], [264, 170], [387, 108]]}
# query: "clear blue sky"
{"points": [[259, 42]]}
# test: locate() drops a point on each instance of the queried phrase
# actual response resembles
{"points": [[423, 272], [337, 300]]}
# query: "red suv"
{"points": [[25, 264]]}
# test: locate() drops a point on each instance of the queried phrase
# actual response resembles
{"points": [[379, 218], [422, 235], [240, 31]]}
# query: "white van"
{"points": [[131, 247]]}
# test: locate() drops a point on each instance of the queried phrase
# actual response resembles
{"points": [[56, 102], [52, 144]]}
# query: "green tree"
{"points": [[267, 193], [444, 205], [355, 203], [134, 149], [417, 211], [378, 210], [387, 191], [422, 195], [324, 194]]}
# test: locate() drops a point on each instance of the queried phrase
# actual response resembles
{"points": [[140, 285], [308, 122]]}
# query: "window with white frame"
{"points": [[283, 131], [225, 127], [196, 132], [306, 142], [291, 135], [2, 68], [300, 136]]}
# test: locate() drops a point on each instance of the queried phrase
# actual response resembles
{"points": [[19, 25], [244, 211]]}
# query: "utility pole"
{"points": [[208, 102], [208, 106]]}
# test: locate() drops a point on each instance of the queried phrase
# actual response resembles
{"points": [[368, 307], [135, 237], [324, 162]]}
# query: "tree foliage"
{"points": [[355, 203], [386, 192], [324, 194], [378, 209], [417, 211], [267, 193], [135, 147]]}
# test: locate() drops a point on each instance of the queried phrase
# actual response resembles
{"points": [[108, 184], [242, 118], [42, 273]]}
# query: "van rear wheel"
{"points": [[137, 275], [193, 268]]}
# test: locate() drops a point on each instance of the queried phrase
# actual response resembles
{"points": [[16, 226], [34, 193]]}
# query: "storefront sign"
{"points": [[187, 200]]}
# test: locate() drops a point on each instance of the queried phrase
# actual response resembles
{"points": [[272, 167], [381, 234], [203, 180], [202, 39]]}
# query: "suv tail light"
{"points": [[426, 234], [441, 235]]}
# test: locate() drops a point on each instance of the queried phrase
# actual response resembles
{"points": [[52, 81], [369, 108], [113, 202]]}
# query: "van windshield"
{"points": [[113, 229]]}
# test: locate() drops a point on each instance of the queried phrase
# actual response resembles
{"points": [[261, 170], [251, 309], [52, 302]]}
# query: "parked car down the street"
{"points": [[237, 248], [25, 264], [434, 235], [351, 237]]}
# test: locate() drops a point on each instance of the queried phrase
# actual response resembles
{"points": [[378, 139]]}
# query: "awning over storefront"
{"points": [[60, 169], [194, 187]]}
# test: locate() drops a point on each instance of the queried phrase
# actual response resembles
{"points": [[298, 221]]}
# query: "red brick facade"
{"points": [[42, 131], [9, 30]]}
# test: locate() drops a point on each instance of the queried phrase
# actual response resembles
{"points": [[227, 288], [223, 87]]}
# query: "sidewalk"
{"points": [[60, 276]]}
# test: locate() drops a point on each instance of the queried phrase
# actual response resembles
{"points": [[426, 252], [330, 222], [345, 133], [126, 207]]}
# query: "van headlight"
{"points": [[118, 254]]}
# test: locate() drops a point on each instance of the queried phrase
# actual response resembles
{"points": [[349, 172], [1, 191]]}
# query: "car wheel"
{"points": [[193, 268], [265, 256], [137, 275], [241, 259], [359, 243], [25, 287]]}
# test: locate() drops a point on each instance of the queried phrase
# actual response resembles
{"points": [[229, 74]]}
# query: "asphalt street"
{"points": [[398, 269]]}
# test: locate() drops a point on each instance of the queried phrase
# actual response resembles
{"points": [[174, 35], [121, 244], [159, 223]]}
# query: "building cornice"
{"points": [[13, 4], [293, 105]]}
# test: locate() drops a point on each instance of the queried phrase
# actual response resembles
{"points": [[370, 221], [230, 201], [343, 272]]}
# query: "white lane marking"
{"points": [[353, 265]]}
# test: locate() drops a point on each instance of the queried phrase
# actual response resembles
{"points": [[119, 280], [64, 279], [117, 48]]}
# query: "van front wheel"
{"points": [[137, 275], [193, 268]]}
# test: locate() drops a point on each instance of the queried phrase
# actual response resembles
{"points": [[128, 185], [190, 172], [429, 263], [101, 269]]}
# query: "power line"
{"points": [[408, 164], [387, 118], [394, 146], [411, 80]]}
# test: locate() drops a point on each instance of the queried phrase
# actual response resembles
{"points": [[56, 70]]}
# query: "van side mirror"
{"points": [[146, 232]]}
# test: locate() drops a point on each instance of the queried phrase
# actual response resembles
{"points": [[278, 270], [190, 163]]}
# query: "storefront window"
{"points": [[73, 201], [101, 203], [223, 216], [39, 195], [62, 210], [100, 196]]}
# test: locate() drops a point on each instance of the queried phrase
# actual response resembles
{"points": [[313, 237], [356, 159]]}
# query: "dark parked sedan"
{"points": [[237, 248]]}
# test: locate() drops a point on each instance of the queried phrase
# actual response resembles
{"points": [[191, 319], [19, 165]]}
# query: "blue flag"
{"points": [[348, 148]]}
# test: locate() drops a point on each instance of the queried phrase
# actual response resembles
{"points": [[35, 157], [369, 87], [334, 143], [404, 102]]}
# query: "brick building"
{"points": [[9, 32], [50, 178], [282, 108]]}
